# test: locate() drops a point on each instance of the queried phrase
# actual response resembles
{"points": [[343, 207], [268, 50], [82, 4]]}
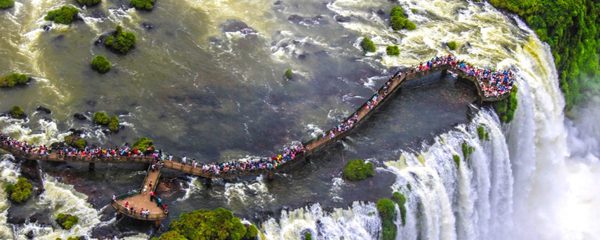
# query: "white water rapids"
{"points": [[534, 178]]}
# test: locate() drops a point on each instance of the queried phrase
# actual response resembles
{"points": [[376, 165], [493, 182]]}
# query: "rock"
{"points": [[58, 38], [30, 234], [42, 218], [46, 28], [316, 20], [278, 2], [43, 110], [340, 18], [233, 25], [80, 116], [380, 12], [147, 25], [16, 219]]}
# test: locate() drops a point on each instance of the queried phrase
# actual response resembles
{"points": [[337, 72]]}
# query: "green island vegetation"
{"points": [[367, 45], [103, 119], [452, 45], [482, 133], [17, 112], [288, 74], [143, 143], [399, 20], [467, 150], [6, 4], [89, 3], [507, 107], [387, 213], [101, 64], [143, 4], [572, 29], [400, 199], [307, 236], [75, 141], [20, 191], [456, 159], [66, 221], [217, 224], [13, 79], [358, 169], [392, 50], [120, 41], [63, 15]]}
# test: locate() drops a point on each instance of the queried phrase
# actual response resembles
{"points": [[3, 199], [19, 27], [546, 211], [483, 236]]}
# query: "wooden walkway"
{"points": [[141, 199]]}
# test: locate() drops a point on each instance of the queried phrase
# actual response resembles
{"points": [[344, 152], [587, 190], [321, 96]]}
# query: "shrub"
{"points": [[101, 118], [143, 143], [467, 150], [387, 213], [113, 125], [143, 4], [66, 221], [101, 64], [400, 199], [307, 236], [120, 41], [76, 142], [367, 45], [13, 79], [399, 21], [358, 169], [482, 133], [288, 74], [251, 232], [456, 159], [89, 3], [507, 107], [19, 192], [172, 235], [218, 224], [6, 4], [17, 112], [392, 50], [452, 45], [63, 15]]}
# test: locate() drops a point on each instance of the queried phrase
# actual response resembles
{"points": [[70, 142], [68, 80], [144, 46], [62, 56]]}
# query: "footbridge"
{"points": [[491, 87]]}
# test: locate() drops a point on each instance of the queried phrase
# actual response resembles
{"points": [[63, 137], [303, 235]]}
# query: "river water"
{"points": [[205, 81]]}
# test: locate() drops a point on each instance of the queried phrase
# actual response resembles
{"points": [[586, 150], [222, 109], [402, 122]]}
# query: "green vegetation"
{"points": [[6, 4], [367, 45], [482, 133], [17, 112], [452, 45], [13, 79], [101, 64], [218, 224], [120, 41], [143, 4], [456, 159], [356, 170], [467, 150], [73, 238], [143, 143], [307, 236], [19, 192], [288, 74], [572, 29], [507, 107], [103, 119], [66, 221], [76, 142], [400, 199], [64, 15], [88, 3], [392, 50], [387, 213], [399, 20]]}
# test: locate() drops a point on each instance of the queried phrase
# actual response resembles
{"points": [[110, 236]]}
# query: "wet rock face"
{"points": [[233, 25]]}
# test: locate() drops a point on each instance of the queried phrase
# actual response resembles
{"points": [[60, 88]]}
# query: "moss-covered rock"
{"points": [[143, 143], [64, 15], [452, 45], [467, 150], [456, 159], [399, 20], [288, 74], [143, 4], [113, 124], [13, 80], [89, 3], [20, 191], [356, 170], [6, 4], [120, 41], [367, 45], [482, 133], [387, 213], [101, 118], [17, 112], [218, 224], [66, 221], [101, 64], [392, 50], [400, 199]]}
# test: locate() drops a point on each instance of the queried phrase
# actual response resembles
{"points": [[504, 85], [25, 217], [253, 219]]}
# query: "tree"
{"points": [[356, 170], [120, 41], [89, 3], [368, 45], [6, 4], [20, 191], [101, 118], [64, 15], [218, 224], [13, 79], [392, 50], [143, 4], [101, 64]]}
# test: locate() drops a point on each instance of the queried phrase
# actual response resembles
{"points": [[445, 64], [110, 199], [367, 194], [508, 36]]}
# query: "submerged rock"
{"points": [[80, 117], [316, 20], [148, 26], [233, 25], [43, 109], [340, 18]]}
